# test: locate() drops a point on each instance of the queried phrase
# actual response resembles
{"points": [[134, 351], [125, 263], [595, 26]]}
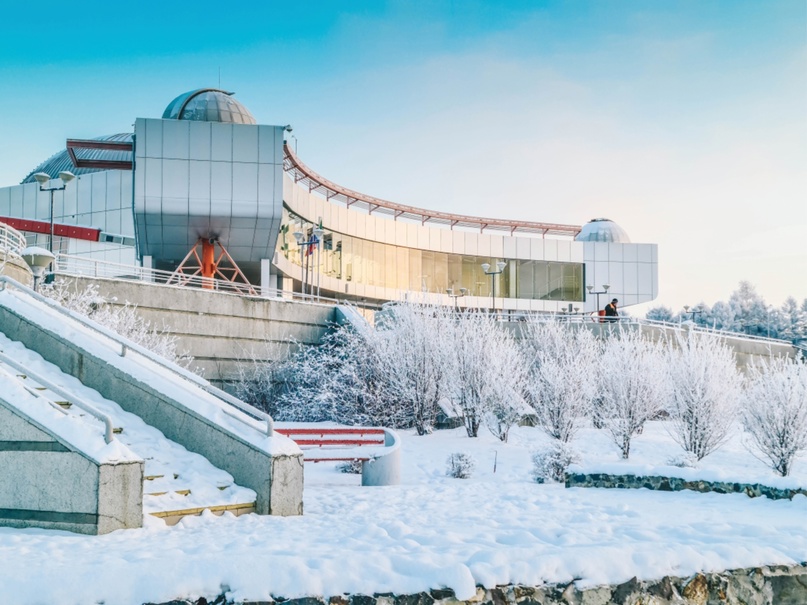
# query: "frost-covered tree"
{"points": [[122, 319], [661, 313], [750, 311], [774, 412], [704, 387], [632, 386], [561, 375], [793, 321], [722, 316], [394, 374], [413, 348], [487, 375]]}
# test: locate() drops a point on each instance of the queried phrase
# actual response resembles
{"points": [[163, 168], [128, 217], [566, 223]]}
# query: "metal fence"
{"points": [[66, 264], [12, 242]]}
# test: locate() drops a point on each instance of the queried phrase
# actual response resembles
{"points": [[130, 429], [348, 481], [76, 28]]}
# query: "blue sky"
{"points": [[685, 122]]}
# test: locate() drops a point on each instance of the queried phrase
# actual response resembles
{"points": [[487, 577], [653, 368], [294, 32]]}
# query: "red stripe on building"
{"points": [[59, 229]]}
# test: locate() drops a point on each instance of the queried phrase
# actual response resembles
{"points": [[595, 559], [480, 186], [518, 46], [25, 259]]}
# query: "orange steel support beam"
{"points": [[208, 264], [207, 269]]}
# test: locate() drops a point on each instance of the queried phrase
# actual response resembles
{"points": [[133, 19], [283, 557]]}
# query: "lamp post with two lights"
{"points": [[603, 291], [500, 265], [43, 177], [450, 292]]}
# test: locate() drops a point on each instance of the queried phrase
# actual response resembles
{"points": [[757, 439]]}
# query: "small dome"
{"points": [[208, 105], [61, 161], [602, 230]]}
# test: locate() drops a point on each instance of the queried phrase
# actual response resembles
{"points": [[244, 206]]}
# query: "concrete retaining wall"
{"points": [[278, 480], [220, 330], [746, 350], [16, 268], [47, 482]]}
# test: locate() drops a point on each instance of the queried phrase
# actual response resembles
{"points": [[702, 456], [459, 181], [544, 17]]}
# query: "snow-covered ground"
{"points": [[432, 531]]}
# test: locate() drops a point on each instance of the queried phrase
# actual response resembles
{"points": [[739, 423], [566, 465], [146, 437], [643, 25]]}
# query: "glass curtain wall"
{"points": [[377, 264]]}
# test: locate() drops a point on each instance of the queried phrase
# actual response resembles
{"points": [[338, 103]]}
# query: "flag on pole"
{"points": [[312, 245]]}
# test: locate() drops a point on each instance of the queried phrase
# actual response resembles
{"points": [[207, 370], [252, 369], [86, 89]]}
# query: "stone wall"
{"points": [[771, 585], [675, 484]]}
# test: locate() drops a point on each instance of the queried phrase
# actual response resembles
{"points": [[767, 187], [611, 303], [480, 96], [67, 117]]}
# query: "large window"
{"points": [[376, 264]]}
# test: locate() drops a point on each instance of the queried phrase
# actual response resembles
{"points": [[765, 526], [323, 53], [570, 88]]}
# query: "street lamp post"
{"points": [[500, 265], [43, 177], [314, 241], [450, 292], [603, 291], [694, 311]]}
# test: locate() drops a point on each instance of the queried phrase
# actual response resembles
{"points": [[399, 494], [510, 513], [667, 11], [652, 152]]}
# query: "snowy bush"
{"points": [[684, 460], [460, 465], [551, 463], [632, 382], [487, 375], [122, 319], [774, 412], [561, 375], [352, 467], [704, 388]]}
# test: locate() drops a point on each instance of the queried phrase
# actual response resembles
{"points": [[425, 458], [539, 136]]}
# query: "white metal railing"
{"points": [[12, 242], [593, 318], [77, 401], [127, 346], [66, 264], [79, 265]]}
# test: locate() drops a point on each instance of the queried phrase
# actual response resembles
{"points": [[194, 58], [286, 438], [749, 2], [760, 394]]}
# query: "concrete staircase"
{"points": [[164, 442], [176, 482]]}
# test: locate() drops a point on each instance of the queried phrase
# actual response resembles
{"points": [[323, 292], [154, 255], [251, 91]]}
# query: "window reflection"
{"points": [[377, 264]]}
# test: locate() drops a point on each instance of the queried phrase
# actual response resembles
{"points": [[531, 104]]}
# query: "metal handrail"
{"points": [[78, 402], [587, 318], [66, 264], [127, 345], [11, 240], [69, 264]]}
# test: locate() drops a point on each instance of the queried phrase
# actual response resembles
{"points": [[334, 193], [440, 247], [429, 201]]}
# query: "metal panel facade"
{"points": [[198, 179]]}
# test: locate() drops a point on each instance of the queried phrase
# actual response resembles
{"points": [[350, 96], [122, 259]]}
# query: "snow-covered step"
{"points": [[176, 482]]}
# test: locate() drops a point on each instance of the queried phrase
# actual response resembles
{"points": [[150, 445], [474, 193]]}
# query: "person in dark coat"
{"points": [[610, 311]]}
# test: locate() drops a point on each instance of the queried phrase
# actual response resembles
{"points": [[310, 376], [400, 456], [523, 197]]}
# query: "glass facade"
{"points": [[374, 263]]}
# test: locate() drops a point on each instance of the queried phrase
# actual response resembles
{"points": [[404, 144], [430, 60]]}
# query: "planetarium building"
{"points": [[207, 191]]}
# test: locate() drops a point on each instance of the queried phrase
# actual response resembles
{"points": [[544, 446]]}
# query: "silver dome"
{"points": [[61, 161], [602, 230], [208, 105]]}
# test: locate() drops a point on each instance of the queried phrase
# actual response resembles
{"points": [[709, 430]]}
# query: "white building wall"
{"points": [[100, 200], [630, 270]]}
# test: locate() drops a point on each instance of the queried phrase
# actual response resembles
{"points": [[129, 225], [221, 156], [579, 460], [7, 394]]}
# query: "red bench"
{"points": [[333, 444], [378, 449]]}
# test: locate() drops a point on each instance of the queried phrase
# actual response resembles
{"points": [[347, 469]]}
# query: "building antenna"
{"points": [[219, 76]]}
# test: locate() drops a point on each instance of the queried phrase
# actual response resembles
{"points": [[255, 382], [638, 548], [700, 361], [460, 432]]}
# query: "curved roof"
{"points": [[602, 230], [303, 174], [61, 161], [208, 105]]}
